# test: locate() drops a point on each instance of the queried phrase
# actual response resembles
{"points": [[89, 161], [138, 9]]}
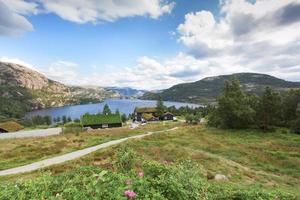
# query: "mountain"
{"points": [[207, 89], [23, 89], [127, 91]]}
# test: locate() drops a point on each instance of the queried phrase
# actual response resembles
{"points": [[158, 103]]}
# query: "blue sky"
{"points": [[152, 46]]}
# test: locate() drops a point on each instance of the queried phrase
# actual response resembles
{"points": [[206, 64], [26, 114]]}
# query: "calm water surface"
{"points": [[124, 105]]}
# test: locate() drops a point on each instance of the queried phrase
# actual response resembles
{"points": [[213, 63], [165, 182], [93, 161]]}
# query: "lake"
{"points": [[126, 106]]}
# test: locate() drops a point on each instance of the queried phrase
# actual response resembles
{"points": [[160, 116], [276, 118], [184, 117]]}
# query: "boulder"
{"points": [[220, 177]]}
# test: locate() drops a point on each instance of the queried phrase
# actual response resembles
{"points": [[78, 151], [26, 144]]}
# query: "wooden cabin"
{"points": [[167, 116], [148, 112], [101, 121]]}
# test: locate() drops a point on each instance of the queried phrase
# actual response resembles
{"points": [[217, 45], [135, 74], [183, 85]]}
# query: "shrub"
{"points": [[72, 127], [153, 180], [160, 182], [126, 159], [296, 126]]}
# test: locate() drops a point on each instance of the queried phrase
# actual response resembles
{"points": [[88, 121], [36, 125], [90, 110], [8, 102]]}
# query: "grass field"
{"points": [[248, 157], [19, 152]]}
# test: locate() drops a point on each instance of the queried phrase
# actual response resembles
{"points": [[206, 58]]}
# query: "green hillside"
{"points": [[207, 89]]}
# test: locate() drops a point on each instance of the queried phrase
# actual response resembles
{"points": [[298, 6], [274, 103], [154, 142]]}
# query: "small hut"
{"points": [[10, 126]]}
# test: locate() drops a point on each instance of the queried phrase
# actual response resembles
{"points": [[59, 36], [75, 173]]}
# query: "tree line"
{"points": [[47, 120], [235, 109]]}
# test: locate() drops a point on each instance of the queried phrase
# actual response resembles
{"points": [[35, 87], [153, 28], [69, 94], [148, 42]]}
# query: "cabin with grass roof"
{"points": [[149, 114], [101, 121], [145, 114], [10, 126]]}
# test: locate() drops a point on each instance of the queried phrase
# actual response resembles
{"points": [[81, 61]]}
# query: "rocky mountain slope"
{"points": [[127, 92], [23, 89], [207, 89]]}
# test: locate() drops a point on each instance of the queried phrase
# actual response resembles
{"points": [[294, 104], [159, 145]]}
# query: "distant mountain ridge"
{"points": [[23, 89], [127, 91], [207, 89]]}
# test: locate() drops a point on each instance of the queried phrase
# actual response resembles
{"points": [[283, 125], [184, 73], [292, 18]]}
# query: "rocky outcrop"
{"points": [[17, 75], [46, 92]]}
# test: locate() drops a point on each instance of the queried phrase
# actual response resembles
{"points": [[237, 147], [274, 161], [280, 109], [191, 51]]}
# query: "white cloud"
{"points": [[12, 23], [17, 61], [22, 7], [261, 36], [96, 11], [63, 71]]}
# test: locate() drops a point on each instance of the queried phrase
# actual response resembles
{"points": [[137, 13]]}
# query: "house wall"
{"points": [[114, 125], [167, 117], [138, 116]]}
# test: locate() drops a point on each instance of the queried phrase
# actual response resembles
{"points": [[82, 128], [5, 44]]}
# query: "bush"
{"points": [[72, 127], [125, 159], [174, 182], [296, 126], [150, 180]]}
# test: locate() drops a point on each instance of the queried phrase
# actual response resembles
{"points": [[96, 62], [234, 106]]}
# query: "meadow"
{"points": [[257, 165], [17, 152]]}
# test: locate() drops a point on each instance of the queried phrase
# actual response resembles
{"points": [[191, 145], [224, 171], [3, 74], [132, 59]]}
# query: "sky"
{"points": [[151, 44]]}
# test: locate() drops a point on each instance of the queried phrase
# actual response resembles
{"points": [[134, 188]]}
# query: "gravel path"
{"points": [[70, 156], [33, 133]]}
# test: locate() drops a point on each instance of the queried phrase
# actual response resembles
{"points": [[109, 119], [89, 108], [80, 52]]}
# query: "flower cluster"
{"points": [[141, 174], [130, 193]]}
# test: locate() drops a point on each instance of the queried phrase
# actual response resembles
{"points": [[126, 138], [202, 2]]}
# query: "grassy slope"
{"points": [[247, 158], [19, 152]]}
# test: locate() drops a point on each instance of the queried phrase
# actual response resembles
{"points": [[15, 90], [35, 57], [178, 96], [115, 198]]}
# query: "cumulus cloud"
{"points": [[12, 23], [247, 36], [107, 10], [22, 7], [260, 36]]}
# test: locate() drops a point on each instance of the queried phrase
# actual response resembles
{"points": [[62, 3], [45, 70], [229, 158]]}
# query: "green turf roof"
{"points": [[147, 116], [11, 126], [145, 110], [100, 119]]}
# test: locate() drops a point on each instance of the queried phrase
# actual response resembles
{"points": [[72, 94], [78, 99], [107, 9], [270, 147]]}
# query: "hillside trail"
{"points": [[73, 155]]}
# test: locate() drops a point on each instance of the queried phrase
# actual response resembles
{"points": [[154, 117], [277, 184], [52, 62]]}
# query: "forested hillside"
{"points": [[207, 89]]}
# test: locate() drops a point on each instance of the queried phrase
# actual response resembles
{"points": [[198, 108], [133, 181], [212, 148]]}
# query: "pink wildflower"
{"points": [[141, 174], [129, 193]]}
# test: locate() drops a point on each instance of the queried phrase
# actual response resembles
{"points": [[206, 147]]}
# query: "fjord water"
{"points": [[124, 105]]}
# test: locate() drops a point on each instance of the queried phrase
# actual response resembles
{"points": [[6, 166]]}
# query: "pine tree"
{"points": [[296, 123], [47, 120], [160, 108], [124, 118], [234, 110], [289, 105], [269, 111], [106, 110], [64, 119]]}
